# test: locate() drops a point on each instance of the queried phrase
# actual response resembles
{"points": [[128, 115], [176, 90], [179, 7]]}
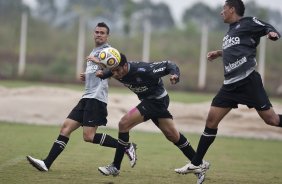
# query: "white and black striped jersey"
{"points": [[94, 86], [144, 79], [239, 47]]}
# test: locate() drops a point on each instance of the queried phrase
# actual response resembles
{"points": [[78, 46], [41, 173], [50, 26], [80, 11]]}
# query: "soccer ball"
{"points": [[109, 57]]}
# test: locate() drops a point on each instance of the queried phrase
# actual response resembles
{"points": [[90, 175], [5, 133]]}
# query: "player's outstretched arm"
{"points": [[103, 74]]}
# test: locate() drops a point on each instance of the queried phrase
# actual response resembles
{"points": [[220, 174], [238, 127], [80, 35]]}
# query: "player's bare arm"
{"points": [[214, 54], [95, 60]]}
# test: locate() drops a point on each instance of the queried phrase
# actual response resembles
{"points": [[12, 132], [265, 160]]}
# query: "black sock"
{"points": [[206, 140], [185, 147], [105, 140], [58, 146], [123, 139], [280, 122]]}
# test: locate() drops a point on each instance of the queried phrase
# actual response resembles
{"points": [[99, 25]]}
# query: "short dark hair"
{"points": [[238, 5], [103, 24], [123, 59]]}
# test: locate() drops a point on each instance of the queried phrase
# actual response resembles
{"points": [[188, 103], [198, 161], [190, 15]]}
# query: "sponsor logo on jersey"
{"points": [[230, 41], [236, 64], [257, 21], [91, 67], [141, 69], [157, 63], [159, 70], [139, 89]]}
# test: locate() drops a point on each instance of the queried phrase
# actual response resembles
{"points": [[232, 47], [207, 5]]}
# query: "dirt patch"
{"points": [[42, 105]]}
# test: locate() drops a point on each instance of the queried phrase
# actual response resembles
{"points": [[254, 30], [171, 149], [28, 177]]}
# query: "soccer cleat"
{"points": [[38, 164], [205, 165], [190, 168], [131, 153], [200, 178], [109, 170]]}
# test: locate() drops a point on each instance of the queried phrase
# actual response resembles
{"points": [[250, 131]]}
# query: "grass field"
{"points": [[234, 160]]}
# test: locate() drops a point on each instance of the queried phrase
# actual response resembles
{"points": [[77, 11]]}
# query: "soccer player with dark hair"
{"points": [[91, 110], [145, 80], [242, 83]]}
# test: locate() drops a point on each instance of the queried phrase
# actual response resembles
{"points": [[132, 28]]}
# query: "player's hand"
{"points": [[99, 73], [93, 59], [213, 55], [82, 76], [272, 36], [174, 79]]}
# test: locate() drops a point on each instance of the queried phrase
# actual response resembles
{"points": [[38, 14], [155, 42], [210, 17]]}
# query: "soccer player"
{"points": [[91, 110], [242, 84], [144, 79]]}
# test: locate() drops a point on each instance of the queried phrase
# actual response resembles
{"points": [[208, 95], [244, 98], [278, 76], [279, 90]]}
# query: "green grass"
{"points": [[20, 84], [234, 160], [190, 97]]}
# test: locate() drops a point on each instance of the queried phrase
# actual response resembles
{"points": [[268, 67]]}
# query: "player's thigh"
{"points": [[69, 126], [269, 117], [215, 115], [130, 119]]}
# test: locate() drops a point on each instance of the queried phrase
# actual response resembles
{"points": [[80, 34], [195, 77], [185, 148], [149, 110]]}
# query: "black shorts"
{"points": [[90, 112], [154, 109], [249, 91]]}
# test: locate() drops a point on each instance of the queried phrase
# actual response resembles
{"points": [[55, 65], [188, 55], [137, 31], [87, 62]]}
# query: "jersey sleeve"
{"points": [[163, 68], [259, 27]]}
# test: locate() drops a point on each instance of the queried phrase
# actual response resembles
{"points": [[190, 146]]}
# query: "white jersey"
{"points": [[94, 86]]}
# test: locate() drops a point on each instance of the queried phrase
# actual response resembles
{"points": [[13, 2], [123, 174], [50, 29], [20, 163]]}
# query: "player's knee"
{"points": [[88, 137], [211, 123], [272, 120], [172, 136], [124, 124], [65, 130]]}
